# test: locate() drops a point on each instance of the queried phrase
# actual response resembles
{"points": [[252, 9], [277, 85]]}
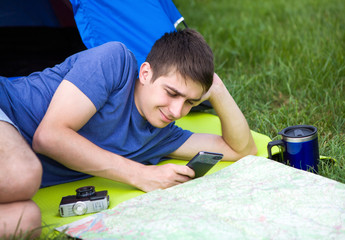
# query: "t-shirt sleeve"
{"points": [[99, 71]]}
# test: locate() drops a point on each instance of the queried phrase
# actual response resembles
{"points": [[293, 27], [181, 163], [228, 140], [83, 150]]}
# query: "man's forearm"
{"points": [[81, 155], [235, 130]]}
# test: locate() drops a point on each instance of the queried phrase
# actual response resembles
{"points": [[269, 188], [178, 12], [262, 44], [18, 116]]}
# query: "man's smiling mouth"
{"points": [[165, 118]]}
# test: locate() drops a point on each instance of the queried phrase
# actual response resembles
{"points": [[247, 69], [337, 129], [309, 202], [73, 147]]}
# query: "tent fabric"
{"points": [[137, 24], [36, 35], [27, 13], [28, 49], [31, 31]]}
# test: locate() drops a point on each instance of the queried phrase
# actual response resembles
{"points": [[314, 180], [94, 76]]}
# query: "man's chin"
{"points": [[159, 123]]}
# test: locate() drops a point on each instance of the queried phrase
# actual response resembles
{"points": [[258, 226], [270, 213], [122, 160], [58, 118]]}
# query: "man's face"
{"points": [[166, 99]]}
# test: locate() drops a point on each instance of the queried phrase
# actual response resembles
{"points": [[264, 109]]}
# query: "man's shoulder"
{"points": [[114, 45], [111, 47], [113, 51]]}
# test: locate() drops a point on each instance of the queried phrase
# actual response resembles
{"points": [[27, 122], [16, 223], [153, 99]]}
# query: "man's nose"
{"points": [[176, 108]]}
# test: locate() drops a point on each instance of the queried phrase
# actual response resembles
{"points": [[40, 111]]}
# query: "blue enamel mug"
{"points": [[300, 147]]}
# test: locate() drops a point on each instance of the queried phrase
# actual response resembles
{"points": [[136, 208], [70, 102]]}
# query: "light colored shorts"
{"points": [[4, 118]]}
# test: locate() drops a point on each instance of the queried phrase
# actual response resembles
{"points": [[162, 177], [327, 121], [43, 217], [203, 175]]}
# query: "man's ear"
{"points": [[145, 73]]}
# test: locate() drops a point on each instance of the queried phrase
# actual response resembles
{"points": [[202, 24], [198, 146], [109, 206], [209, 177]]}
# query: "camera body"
{"points": [[87, 200]]}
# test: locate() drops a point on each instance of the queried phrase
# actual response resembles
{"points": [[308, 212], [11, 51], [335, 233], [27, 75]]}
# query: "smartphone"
{"points": [[203, 162]]}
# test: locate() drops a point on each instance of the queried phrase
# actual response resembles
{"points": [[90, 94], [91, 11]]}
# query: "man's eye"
{"points": [[190, 102], [171, 94]]}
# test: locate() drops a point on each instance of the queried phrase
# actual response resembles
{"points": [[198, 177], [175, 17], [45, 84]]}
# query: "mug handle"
{"points": [[271, 144]]}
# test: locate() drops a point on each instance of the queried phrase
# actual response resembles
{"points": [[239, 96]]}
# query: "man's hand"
{"points": [[235, 141], [214, 89], [163, 176]]}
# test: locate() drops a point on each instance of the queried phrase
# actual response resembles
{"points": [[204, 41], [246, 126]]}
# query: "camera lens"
{"points": [[79, 208], [85, 191]]}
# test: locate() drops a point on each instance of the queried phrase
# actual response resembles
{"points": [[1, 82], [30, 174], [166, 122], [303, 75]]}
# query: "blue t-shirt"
{"points": [[106, 75]]}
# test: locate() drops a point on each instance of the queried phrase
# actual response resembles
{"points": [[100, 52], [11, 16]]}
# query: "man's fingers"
{"points": [[182, 178], [185, 171]]}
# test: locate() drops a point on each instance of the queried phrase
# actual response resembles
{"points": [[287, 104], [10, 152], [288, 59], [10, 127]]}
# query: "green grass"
{"points": [[283, 62], [51, 234]]}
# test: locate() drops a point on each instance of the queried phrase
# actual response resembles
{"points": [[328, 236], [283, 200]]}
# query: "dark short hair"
{"points": [[186, 52]]}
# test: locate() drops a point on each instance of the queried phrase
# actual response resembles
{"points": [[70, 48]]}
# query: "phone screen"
{"points": [[203, 162]]}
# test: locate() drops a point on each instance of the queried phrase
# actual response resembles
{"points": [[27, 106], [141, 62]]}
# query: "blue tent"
{"points": [[135, 23], [36, 35], [41, 33]]}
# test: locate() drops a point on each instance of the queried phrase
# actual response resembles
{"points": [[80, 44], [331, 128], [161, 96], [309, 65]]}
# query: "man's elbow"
{"points": [[250, 150], [253, 150], [42, 140]]}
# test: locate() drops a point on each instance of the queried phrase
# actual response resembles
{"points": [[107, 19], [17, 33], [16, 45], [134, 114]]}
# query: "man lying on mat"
{"points": [[95, 115]]}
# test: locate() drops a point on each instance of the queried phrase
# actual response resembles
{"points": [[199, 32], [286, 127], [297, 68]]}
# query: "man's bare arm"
{"points": [[236, 140], [57, 138]]}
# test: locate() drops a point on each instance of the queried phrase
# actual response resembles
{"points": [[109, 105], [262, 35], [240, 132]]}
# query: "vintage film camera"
{"points": [[86, 201]]}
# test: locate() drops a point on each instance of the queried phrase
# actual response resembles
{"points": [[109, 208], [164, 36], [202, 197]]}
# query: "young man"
{"points": [[92, 115]]}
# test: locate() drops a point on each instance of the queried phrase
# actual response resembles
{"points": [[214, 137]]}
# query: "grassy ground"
{"points": [[283, 62]]}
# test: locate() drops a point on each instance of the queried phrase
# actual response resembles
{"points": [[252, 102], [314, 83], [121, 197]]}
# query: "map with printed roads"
{"points": [[254, 198]]}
